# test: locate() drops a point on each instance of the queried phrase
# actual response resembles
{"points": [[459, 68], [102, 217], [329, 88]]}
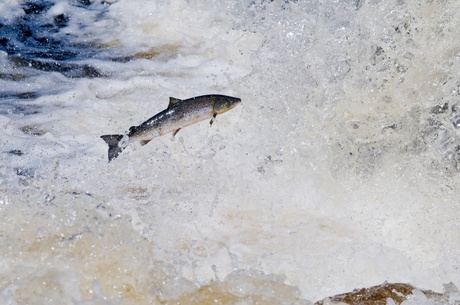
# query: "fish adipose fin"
{"points": [[114, 145], [143, 142]]}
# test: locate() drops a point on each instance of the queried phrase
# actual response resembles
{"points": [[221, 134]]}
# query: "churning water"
{"points": [[339, 170]]}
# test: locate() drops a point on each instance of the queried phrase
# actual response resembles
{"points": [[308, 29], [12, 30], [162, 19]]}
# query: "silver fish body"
{"points": [[179, 114]]}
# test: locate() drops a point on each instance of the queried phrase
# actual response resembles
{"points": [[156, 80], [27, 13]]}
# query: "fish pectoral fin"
{"points": [[176, 131], [173, 102], [212, 120], [143, 142]]}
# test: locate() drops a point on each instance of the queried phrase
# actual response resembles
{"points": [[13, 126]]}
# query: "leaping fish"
{"points": [[179, 114]]}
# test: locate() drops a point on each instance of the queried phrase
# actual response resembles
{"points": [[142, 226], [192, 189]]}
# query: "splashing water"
{"points": [[339, 171]]}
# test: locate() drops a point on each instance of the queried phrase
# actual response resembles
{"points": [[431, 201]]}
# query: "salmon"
{"points": [[179, 114]]}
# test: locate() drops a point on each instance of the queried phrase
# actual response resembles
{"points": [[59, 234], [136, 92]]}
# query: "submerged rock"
{"points": [[386, 293], [16, 152], [33, 130]]}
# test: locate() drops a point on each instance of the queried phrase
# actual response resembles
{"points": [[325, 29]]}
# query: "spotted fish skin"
{"points": [[179, 114]]}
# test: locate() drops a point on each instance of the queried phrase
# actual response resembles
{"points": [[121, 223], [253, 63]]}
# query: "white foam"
{"points": [[11, 9]]}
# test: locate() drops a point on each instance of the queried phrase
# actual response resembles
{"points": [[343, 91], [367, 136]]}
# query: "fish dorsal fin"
{"points": [[173, 102]]}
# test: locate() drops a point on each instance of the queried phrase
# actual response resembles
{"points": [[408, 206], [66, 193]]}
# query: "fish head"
{"points": [[225, 103]]}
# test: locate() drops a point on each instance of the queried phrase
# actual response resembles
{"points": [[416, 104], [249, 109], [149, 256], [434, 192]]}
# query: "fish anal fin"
{"points": [[176, 131], [173, 102]]}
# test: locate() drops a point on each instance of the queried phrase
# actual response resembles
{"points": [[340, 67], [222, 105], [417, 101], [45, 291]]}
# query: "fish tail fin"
{"points": [[115, 147]]}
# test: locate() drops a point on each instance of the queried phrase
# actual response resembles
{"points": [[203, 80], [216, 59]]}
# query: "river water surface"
{"points": [[339, 170]]}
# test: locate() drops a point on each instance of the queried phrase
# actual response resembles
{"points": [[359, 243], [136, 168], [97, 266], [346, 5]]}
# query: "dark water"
{"points": [[38, 39], [44, 50]]}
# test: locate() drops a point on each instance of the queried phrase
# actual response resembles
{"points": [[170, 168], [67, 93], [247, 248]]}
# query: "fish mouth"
{"points": [[224, 107], [234, 103]]}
